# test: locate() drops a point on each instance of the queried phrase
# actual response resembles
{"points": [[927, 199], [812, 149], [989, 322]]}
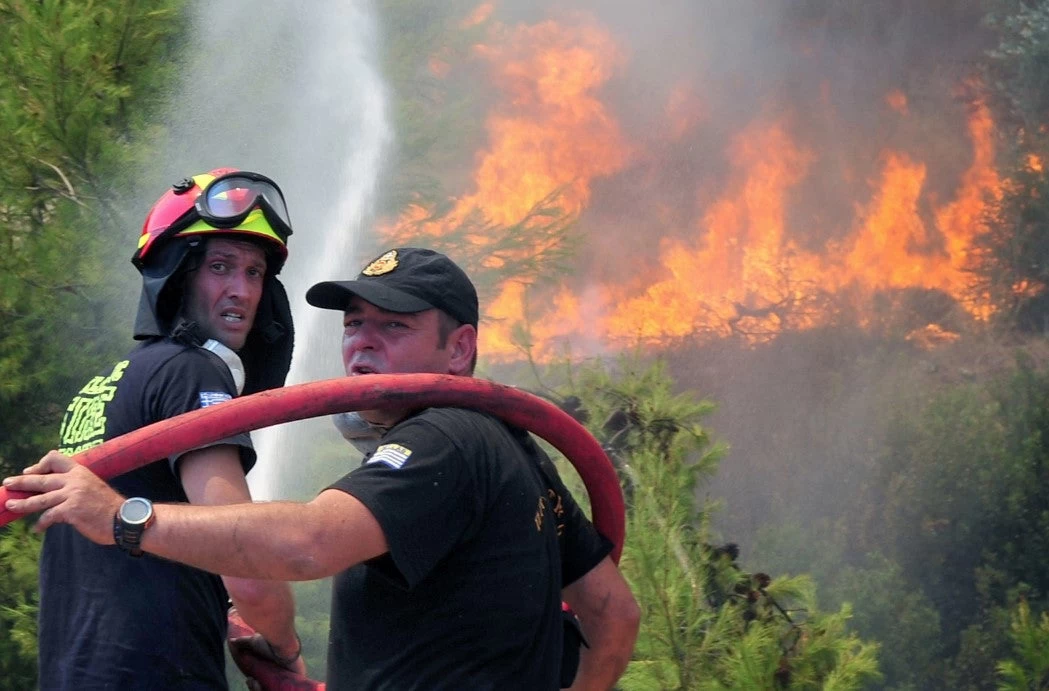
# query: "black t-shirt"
{"points": [[109, 620], [481, 541]]}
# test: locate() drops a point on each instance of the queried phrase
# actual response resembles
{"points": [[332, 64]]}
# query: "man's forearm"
{"points": [[269, 608], [610, 618], [241, 540], [284, 541], [213, 476], [601, 665]]}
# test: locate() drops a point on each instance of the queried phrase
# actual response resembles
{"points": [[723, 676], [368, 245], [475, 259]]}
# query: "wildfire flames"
{"points": [[742, 264]]}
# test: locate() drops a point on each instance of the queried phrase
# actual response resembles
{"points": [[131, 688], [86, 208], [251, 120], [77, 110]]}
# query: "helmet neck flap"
{"points": [[160, 302]]}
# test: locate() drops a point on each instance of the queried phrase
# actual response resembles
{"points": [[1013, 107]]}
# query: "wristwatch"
{"points": [[130, 521]]}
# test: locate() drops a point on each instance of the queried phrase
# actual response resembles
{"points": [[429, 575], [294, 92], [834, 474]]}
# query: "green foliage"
{"points": [[1029, 668], [965, 496], [19, 552], [888, 609], [1011, 257], [706, 624], [834, 658], [1018, 67], [312, 607], [425, 59], [948, 471], [69, 74]]}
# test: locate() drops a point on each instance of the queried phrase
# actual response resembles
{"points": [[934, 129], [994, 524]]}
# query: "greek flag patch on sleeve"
{"points": [[393, 455], [212, 397]]}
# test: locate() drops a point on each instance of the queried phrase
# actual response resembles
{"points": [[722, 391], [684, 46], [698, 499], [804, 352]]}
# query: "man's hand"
{"points": [[256, 646], [254, 656], [66, 492]]}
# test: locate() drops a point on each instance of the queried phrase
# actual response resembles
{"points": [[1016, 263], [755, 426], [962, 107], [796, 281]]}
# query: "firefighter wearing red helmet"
{"points": [[214, 322], [236, 205]]}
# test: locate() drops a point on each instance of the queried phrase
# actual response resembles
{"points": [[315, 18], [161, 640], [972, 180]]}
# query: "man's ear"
{"points": [[463, 342]]}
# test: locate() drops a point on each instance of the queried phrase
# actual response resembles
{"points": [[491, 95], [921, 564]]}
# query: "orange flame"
{"points": [[931, 336], [713, 284], [480, 15], [742, 269], [556, 132], [552, 133], [897, 100]]}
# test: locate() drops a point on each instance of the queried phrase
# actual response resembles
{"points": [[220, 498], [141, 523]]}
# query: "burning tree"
{"points": [[1014, 256], [694, 217]]}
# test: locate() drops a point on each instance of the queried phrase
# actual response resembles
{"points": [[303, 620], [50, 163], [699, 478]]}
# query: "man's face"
{"points": [[223, 293], [375, 341]]}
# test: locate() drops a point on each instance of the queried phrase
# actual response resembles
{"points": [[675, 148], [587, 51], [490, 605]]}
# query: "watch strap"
{"points": [[120, 537]]}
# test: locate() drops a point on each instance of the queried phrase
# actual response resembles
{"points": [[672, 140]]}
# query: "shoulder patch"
{"points": [[393, 455], [213, 397]]}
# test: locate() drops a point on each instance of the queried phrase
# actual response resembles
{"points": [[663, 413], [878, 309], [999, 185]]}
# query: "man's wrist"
{"points": [[289, 659], [132, 518]]}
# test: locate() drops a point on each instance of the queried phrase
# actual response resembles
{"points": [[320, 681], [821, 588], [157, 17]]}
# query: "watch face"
{"points": [[136, 510]]}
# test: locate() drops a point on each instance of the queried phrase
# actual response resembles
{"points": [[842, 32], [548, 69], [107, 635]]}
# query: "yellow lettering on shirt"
{"points": [[84, 423]]}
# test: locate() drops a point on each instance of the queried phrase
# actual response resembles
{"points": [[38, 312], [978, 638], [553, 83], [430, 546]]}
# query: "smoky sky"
{"points": [[293, 92]]}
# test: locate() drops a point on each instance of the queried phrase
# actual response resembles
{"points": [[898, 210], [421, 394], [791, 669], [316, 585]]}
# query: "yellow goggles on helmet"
{"points": [[246, 201]]}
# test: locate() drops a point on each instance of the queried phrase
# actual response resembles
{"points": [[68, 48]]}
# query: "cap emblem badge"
{"points": [[383, 265]]}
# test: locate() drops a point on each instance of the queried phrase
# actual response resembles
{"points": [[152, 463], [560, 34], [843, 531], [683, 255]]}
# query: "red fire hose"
{"points": [[208, 425]]}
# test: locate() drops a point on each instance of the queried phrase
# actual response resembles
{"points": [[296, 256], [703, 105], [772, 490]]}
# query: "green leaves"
{"points": [[706, 623], [69, 73], [19, 552], [1029, 669]]}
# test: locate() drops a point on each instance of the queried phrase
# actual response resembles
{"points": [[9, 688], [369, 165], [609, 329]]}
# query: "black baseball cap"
{"points": [[406, 279]]}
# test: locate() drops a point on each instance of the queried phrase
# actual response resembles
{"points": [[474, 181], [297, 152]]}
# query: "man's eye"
{"points": [[218, 266]]}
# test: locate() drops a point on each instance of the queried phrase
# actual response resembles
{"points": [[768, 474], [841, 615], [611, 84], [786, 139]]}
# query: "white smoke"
{"points": [[291, 90]]}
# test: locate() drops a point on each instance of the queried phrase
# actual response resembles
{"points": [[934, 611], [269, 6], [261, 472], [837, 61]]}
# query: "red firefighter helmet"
{"points": [[225, 200]]}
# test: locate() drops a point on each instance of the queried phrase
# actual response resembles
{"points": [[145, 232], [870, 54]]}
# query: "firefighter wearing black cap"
{"points": [[214, 322], [452, 546]]}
